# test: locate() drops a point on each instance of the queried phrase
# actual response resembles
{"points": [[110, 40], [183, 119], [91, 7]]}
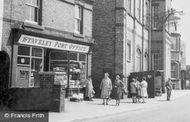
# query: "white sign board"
{"points": [[48, 43]]}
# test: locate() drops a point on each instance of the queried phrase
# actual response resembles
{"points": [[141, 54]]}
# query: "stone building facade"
{"points": [[47, 36], [120, 30], [161, 37]]}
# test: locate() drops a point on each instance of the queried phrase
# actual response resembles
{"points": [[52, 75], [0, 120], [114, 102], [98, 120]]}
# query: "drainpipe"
{"points": [[149, 36], [143, 36]]}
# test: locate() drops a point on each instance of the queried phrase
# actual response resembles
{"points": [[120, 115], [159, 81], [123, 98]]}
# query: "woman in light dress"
{"points": [[144, 86], [89, 89], [106, 87]]}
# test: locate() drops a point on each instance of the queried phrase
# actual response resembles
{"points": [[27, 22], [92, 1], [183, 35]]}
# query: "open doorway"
{"points": [[4, 76]]}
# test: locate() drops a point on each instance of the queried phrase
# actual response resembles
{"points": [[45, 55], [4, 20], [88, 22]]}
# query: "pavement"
{"points": [[87, 110]]}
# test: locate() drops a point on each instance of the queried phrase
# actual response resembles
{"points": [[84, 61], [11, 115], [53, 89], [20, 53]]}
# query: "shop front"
{"points": [[34, 53]]}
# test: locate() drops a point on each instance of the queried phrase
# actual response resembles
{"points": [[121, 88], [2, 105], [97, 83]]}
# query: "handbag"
{"points": [[125, 91]]}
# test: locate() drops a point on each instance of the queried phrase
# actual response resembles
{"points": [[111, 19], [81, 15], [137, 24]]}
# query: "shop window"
{"points": [[78, 19], [73, 56], [30, 63], [74, 68], [23, 60], [82, 57], [36, 52], [32, 10], [55, 55], [22, 50]]}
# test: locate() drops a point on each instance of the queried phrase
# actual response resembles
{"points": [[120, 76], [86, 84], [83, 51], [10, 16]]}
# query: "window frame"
{"points": [[129, 51], [79, 11], [139, 56], [30, 63], [39, 12], [154, 60]]}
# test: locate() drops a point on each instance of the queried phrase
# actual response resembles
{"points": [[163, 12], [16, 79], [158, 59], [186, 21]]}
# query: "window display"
{"points": [[72, 64], [30, 58]]}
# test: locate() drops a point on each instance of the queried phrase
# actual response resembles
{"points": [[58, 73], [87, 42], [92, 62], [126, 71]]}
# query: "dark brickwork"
{"points": [[104, 35]]}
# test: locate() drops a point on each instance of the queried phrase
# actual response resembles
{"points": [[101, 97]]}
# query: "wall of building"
{"points": [[58, 18], [104, 35], [1, 21]]}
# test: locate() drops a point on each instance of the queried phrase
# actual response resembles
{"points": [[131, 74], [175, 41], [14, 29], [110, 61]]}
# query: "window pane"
{"points": [[82, 57], [23, 50], [23, 60], [32, 11], [36, 65], [73, 56], [37, 52], [28, 1], [59, 56], [61, 66], [34, 14], [27, 13], [35, 2]]}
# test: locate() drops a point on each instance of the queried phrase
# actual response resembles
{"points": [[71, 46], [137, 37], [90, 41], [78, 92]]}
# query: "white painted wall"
{"points": [[1, 22]]}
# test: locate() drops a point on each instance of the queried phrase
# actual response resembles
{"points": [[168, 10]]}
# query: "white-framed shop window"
{"points": [[30, 61]]}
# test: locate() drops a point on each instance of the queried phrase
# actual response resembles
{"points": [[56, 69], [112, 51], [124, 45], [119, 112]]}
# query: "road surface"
{"points": [[169, 111]]}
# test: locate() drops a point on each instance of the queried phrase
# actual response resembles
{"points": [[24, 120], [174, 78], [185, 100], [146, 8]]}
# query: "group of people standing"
{"points": [[107, 88], [138, 89]]}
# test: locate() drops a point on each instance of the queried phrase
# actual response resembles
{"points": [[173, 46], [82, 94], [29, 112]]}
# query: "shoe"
{"points": [[106, 103], [103, 103]]}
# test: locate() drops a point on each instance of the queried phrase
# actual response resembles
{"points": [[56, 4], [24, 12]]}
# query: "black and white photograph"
{"points": [[94, 61]]}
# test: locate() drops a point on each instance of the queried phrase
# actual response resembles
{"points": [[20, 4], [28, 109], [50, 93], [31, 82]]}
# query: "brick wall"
{"points": [[104, 35]]}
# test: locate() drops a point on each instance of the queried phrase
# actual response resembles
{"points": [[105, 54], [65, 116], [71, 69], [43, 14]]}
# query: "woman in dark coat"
{"points": [[118, 89]]}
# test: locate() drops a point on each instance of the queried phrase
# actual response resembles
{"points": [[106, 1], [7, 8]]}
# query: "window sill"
{"points": [[129, 61], [32, 25], [78, 35]]}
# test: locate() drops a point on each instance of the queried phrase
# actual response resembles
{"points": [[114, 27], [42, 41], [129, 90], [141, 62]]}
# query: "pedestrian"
{"points": [[133, 89], [89, 92], [106, 87], [144, 86], [118, 89], [138, 89], [169, 88]]}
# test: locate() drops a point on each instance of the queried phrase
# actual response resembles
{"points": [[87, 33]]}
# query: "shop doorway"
{"points": [[4, 76]]}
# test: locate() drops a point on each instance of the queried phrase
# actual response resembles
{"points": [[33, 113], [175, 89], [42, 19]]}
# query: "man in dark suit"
{"points": [[169, 88]]}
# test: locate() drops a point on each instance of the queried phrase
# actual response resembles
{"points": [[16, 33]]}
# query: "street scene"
{"points": [[94, 61]]}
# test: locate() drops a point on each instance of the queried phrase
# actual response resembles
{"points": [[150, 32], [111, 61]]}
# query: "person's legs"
{"points": [[143, 98], [168, 94], [133, 99], [107, 101], [103, 102]]}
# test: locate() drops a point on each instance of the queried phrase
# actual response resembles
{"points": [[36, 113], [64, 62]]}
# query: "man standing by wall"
{"points": [[169, 88]]}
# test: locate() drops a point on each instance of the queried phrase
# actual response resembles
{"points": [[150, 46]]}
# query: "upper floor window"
{"points": [[155, 16], [155, 61], [32, 11], [129, 6], [78, 19], [129, 51], [138, 60]]}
